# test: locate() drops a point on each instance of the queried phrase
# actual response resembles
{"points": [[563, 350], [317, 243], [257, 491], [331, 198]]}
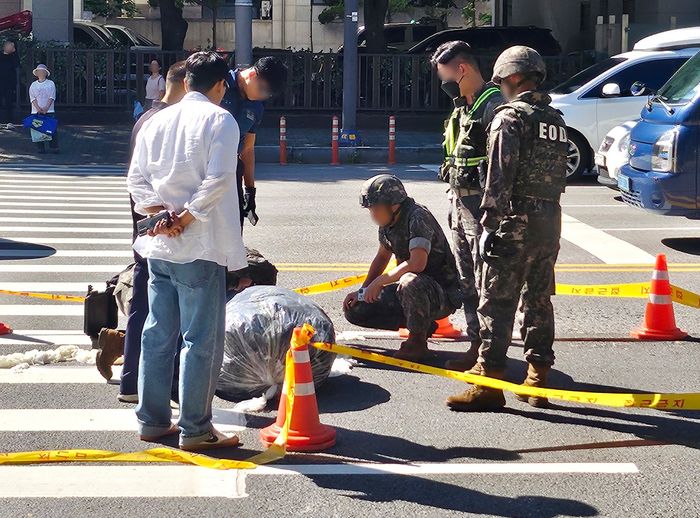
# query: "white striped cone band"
{"points": [[659, 276], [301, 356], [660, 299], [304, 389]]}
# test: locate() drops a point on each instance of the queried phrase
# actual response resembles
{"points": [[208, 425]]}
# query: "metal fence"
{"points": [[114, 78]]}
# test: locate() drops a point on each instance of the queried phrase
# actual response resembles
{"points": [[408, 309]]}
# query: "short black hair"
{"points": [[273, 71], [177, 72], [451, 50], [204, 70]]}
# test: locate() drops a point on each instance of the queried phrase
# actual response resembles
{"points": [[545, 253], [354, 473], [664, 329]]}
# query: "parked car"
{"points": [[92, 35], [600, 97], [493, 40], [130, 38], [400, 37], [664, 150], [613, 153]]}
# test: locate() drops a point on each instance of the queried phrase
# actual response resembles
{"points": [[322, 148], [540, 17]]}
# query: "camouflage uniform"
{"points": [[465, 156], [526, 177], [417, 300]]}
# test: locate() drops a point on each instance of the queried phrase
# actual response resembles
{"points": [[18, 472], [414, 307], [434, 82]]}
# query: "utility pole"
{"points": [[244, 33], [348, 135]]}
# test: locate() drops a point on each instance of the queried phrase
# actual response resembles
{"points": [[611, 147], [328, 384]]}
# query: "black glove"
{"points": [[486, 243], [249, 200]]}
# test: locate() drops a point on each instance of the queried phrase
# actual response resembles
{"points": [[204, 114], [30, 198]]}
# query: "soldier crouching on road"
{"points": [[522, 226], [423, 288]]}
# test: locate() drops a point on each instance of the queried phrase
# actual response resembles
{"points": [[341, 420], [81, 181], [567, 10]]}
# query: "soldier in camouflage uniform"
{"points": [[464, 170], [522, 226], [423, 288]]}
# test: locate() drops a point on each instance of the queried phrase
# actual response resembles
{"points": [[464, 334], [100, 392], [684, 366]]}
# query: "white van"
{"points": [[599, 98]]}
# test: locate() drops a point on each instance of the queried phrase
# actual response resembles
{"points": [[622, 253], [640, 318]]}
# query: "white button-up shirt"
{"points": [[185, 158]]}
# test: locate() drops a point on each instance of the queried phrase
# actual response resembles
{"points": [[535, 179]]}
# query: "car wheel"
{"points": [[578, 157]]}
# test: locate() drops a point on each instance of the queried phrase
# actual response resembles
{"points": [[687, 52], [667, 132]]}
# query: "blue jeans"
{"points": [[187, 299]]}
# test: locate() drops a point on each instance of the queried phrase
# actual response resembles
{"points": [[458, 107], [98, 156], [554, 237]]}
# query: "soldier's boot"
{"points": [[111, 345], [478, 398], [536, 377], [467, 361], [414, 349]]}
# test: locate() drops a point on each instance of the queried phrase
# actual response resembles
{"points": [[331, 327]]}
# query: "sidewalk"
{"points": [[109, 144]]}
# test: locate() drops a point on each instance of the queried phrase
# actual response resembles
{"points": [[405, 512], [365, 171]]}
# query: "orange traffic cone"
{"points": [[659, 320], [306, 433], [5, 329], [445, 329]]}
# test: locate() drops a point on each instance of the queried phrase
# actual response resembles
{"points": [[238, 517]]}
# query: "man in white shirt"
{"points": [[183, 164]]}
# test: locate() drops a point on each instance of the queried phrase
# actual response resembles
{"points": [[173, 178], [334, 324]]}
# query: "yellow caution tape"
{"points": [[634, 290], [275, 452], [679, 401], [45, 296], [335, 285]]}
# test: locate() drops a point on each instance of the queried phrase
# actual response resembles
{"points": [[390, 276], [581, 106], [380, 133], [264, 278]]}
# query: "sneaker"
{"points": [[215, 440], [152, 438], [128, 398]]}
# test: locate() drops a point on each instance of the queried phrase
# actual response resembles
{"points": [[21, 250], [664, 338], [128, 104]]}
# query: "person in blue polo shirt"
{"points": [[244, 99]]}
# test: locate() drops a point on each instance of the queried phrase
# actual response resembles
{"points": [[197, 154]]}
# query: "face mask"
{"points": [[451, 88]]}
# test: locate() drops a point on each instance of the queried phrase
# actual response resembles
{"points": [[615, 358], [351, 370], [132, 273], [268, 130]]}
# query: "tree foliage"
{"points": [[111, 8]]}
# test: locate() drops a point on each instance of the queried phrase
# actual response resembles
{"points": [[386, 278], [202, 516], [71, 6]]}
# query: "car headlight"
{"points": [[663, 154], [606, 144], [624, 144]]}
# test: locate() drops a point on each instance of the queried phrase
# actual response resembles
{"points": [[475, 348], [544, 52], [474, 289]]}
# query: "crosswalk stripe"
{"points": [[60, 268], [124, 204], [73, 240], [96, 420], [81, 230], [90, 194], [69, 481], [64, 309], [50, 287], [30, 198], [28, 252], [43, 374], [45, 185], [42, 341], [95, 221], [60, 212]]}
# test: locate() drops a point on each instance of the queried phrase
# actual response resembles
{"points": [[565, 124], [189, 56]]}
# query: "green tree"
{"points": [[111, 8], [469, 13], [375, 14]]}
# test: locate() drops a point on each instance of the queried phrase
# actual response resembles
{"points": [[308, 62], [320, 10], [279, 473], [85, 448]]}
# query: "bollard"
{"points": [[335, 158], [392, 140], [283, 141]]}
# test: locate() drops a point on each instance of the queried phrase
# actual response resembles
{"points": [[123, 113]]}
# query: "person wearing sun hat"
{"points": [[42, 95]]}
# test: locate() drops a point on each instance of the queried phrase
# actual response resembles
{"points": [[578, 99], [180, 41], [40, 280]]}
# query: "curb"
{"points": [[354, 155]]}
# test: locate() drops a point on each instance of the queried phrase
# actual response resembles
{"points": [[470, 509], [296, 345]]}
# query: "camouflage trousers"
{"points": [[415, 302], [464, 221], [521, 264]]}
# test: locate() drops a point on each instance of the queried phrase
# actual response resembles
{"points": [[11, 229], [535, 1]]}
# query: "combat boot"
{"points": [[478, 398], [414, 349], [111, 345], [536, 377], [467, 361]]}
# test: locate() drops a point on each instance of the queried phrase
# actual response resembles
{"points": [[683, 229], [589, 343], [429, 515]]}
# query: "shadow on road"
{"points": [[13, 250], [687, 245]]}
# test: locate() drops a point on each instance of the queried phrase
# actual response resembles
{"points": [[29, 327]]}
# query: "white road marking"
{"points": [[39, 341], [617, 205], [40, 220], [607, 248], [96, 420], [30, 199], [29, 252], [653, 229], [49, 287], [60, 268], [49, 185], [72, 205], [73, 240], [29, 192], [64, 230], [64, 309], [431, 167], [43, 374], [60, 212], [72, 481]]}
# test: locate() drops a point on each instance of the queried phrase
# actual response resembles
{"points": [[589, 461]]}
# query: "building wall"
{"points": [[562, 16], [8, 7]]}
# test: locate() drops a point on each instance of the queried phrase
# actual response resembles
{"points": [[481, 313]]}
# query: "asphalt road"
{"points": [[570, 460]]}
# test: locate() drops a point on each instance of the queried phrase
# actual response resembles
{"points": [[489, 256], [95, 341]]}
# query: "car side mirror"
{"points": [[611, 90], [638, 88]]}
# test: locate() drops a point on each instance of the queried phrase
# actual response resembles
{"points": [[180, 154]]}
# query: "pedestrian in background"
{"points": [[155, 86], [9, 65], [42, 95], [522, 226], [183, 164]]}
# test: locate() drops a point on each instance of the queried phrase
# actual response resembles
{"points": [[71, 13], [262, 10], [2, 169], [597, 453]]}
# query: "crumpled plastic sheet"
{"points": [[259, 325], [64, 353]]}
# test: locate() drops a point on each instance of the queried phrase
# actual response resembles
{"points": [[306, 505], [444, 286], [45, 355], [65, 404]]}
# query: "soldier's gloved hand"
{"points": [[249, 200], [486, 243]]}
